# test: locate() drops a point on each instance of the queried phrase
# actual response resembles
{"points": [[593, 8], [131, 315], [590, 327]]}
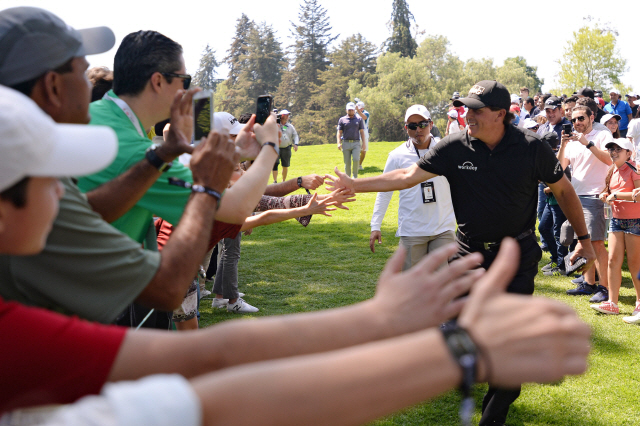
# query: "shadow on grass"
{"points": [[370, 169]]}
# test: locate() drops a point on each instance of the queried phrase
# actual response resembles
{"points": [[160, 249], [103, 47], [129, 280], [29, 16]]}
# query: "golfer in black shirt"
{"points": [[493, 170]]}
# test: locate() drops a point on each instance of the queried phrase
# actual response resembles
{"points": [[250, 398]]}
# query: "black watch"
{"points": [[589, 145], [299, 181], [156, 161], [584, 237]]}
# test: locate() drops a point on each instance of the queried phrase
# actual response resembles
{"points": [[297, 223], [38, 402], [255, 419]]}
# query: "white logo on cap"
{"points": [[476, 90], [468, 165]]}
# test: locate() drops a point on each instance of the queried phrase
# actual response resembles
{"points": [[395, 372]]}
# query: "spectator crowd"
{"points": [[115, 226]]}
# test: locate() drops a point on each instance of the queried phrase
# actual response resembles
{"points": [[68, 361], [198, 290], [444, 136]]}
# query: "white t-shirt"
{"points": [[454, 127], [633, 132], [587, 172], [415, 218]]}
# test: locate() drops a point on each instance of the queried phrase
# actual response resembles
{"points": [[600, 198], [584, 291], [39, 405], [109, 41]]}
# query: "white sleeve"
{"points": [[295, 135], [382, 199], [161, 400]]}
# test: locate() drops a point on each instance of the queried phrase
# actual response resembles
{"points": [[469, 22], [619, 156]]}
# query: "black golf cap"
{"points": [[553, 102], [587, 92], [486, 93]]}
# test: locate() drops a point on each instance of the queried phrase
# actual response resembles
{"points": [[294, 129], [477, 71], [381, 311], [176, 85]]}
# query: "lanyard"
{"points": [[127, 111]]}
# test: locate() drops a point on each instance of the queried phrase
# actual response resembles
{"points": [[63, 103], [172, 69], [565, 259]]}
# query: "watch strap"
{"points": [[299, 181], [157, 162], [589, 145], [275, 147], [584, 237]]}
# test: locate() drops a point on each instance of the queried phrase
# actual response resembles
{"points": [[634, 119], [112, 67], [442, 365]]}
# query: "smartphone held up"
{"points": [[264, 105], [202, 115]]}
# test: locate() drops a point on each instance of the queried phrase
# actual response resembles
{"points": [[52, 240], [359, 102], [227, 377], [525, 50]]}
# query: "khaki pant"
{"points": [[418, 247]]}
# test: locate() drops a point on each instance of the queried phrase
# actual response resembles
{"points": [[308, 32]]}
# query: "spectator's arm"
{"points": [[116, 197]]}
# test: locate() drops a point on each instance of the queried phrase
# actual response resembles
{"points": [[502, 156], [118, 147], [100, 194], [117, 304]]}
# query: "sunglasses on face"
{"points": [[422, 125], [580, 119], [186, 78], [615, 149]]}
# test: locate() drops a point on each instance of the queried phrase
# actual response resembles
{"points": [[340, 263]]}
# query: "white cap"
{"points": [[623, 143], [634, 94], [636, 102], [225, 121], [419, 110], [515, 98], [285, 112], [360, 104], [608, 117], [529, 123], [616, 91], [32, 144], [351, 105], [453, 113]]}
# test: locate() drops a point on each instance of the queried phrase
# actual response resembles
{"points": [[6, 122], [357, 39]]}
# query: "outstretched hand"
{"points": [[341, 182], [425, 296], [338, 197], [319, 207], [522, 338]]}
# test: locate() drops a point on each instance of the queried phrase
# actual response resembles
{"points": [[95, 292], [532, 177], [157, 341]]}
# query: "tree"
{"points": [[353, 60], [312, 40], [515, 73], [258, 70], [205, 76], [591, 59], [401, 39], [236, 55]]}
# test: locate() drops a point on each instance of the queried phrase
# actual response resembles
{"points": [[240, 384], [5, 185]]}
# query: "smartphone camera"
{"points": [[264, 105], [202, 115], [566, 129]]}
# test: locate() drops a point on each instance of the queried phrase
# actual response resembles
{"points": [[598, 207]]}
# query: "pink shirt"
{"points": [[622, 181]]}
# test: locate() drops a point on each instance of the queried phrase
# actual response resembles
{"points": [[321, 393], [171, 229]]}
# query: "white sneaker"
{"points": [[360, 168], [204, 293], [222, 303], [241, 307], [634, 319], [219, 303]]}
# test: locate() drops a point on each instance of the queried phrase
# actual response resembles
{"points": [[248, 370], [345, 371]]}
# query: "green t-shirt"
{"points": [[163, 200], [87, 268]]}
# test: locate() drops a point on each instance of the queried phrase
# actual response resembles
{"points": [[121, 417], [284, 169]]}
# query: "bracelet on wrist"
{"points": [[275, 147], [197, 188], [584, 237], [465, 353]]}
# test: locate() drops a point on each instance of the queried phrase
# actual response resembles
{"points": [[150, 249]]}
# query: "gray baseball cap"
{"points": [[34, 41]]}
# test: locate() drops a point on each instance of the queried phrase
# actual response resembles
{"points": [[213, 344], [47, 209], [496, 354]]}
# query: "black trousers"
{"points": [[496, 403]]}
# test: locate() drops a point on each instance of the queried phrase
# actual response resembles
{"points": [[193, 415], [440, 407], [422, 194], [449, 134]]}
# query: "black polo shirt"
{"points": [[494, 193]]}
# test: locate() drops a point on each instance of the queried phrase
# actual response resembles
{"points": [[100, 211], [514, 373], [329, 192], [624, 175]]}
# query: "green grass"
{"points": [[286, 268]]}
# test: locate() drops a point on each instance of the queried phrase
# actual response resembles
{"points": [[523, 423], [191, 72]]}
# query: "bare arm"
{"points": [[572, 208], [404, 302], [116, 197], [280, 215], [240, 200], [188, 243], [392, 181], [564, 162], [339, 138], [281, 189]]}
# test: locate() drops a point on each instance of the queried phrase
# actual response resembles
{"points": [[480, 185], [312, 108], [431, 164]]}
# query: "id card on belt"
{"points": [[428, 192]]}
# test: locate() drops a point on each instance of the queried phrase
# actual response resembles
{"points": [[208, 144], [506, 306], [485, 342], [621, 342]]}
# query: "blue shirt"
{"points": [[622, 109], [351, 127]]}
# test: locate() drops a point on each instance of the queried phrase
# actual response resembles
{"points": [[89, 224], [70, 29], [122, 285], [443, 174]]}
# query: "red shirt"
{"points": [[47, 358], [622, 181], [220, 230]]}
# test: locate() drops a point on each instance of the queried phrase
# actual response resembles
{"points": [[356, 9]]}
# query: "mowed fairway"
{"points": [[286, 268]]}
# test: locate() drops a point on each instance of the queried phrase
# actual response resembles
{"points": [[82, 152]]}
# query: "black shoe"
{"points": [[601, 295], [583, 289]]}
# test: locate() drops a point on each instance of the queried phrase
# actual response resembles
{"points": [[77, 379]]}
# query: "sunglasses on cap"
{"points": [[580, 118], [186, 78], [422, 125]]}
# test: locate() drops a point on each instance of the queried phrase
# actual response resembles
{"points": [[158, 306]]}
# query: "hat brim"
{"points": [[622, 143], [469, 103], [235, 130], [96, 40], [79, 150]]}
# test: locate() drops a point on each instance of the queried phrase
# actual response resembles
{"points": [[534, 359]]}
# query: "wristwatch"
{"points": [[589, 145], [273, 145], [157, 162], [584, 237], [299, 181]]}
